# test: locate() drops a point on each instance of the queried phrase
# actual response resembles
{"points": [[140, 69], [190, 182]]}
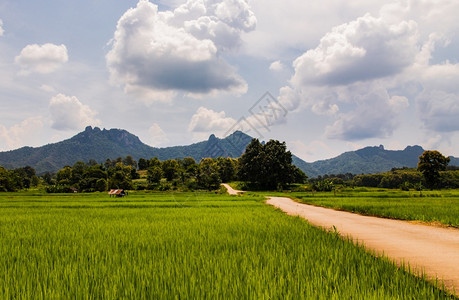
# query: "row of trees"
{"points": [[264, 166], [93, 177], [207, 174], [267, 166], [17, 179], [432, 172]]}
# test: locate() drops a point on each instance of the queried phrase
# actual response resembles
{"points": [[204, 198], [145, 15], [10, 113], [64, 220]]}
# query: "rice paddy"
{"points": [[427, 206], [182, 246]]}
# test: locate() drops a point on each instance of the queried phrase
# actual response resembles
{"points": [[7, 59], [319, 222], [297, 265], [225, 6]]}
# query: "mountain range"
{"points": [[100, 144]]}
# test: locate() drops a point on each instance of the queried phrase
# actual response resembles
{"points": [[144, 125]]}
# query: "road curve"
{"points": [[230, 190], [432, 250]]}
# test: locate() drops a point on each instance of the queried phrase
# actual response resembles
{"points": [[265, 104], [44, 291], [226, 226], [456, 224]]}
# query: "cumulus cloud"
{"points": [[309, 151], [377, 115], [364, 49], [439, 110], [68, 113], [207, 120], [361, 74], [45, 58], [157, 135], [158, 54], [276, 66], [24, 133], [1, 28]]}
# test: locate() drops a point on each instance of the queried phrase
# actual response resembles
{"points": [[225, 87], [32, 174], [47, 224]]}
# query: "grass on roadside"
{"points": [[427, 206]]}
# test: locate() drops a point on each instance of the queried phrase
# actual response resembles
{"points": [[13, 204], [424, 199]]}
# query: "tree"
{"points": [[187, 168], [143, 164], [78, 170], [208, 177], [101, 185], [154, 162], [226, 168], [63, 176], [121, 177], [130, 161], [5, 181], [430, 164], [154, 174], [250, 162], [170, 169], [268, 165]]}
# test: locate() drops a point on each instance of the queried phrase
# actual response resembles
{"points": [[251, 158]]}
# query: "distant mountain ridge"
{"points": [[365, 161], [98, 144]]}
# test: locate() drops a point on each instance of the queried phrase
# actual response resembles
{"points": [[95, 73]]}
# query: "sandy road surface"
{"points": [[430, 249], [230, 190]]}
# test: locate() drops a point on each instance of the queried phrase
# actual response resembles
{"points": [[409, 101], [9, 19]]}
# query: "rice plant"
{"points": [[183, 246]]}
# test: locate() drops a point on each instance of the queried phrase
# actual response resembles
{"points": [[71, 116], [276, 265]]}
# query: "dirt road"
{"points": [[230, 190], [430, 249]]}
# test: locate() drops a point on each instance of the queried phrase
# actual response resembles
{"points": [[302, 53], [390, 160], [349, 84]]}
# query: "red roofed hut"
{"points": [[117, 193]]}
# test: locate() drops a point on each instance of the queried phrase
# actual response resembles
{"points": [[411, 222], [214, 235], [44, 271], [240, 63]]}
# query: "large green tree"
{"points": [[154, 174], [170, 169], [208, 176], [269, 165], [430, 164], [226, 168]]}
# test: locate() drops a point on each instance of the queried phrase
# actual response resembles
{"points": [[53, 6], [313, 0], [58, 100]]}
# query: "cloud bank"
{"points": [[156, 55], [365, 73]]}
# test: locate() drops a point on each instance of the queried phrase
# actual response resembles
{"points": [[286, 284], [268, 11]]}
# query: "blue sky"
{"points": [[340, 75]]}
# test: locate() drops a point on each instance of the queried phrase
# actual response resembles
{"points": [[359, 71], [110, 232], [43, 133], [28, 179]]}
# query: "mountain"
{"points": [[97, 144], [367, 160]]}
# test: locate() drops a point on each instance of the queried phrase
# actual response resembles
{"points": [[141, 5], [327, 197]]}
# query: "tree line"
{"points": [[432, 172], [266, 166], [17, 179], [262, 166]]}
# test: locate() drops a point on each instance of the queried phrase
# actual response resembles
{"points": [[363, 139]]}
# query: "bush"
{"points": [[323, 186]]}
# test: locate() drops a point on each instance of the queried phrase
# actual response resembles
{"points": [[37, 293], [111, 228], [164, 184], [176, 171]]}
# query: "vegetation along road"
{"points": [[428, 249]]}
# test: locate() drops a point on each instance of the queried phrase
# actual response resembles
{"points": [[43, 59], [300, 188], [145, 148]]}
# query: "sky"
{"points": [[324, 76]]}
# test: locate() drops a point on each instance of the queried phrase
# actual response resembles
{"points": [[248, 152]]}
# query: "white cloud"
{"points": [[1, 28], [24, 133], [276, 66], [312, 150], [439, 110], [365, 72], [361, 50], [376, 115], [222, 22], [209, 121], [158, 54], [47, 88], [42, 58], [157, 136], [68, 113]]}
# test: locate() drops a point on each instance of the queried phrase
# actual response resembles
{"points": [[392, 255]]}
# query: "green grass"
{"points": [[433, 206], [182, 245]]}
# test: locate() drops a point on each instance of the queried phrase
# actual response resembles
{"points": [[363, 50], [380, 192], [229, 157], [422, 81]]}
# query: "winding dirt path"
{"points": [[432, 250], [428, 249]]}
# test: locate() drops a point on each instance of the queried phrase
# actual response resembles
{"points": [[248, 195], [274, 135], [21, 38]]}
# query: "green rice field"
{"points": [[427, 206], [182, 246]]}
